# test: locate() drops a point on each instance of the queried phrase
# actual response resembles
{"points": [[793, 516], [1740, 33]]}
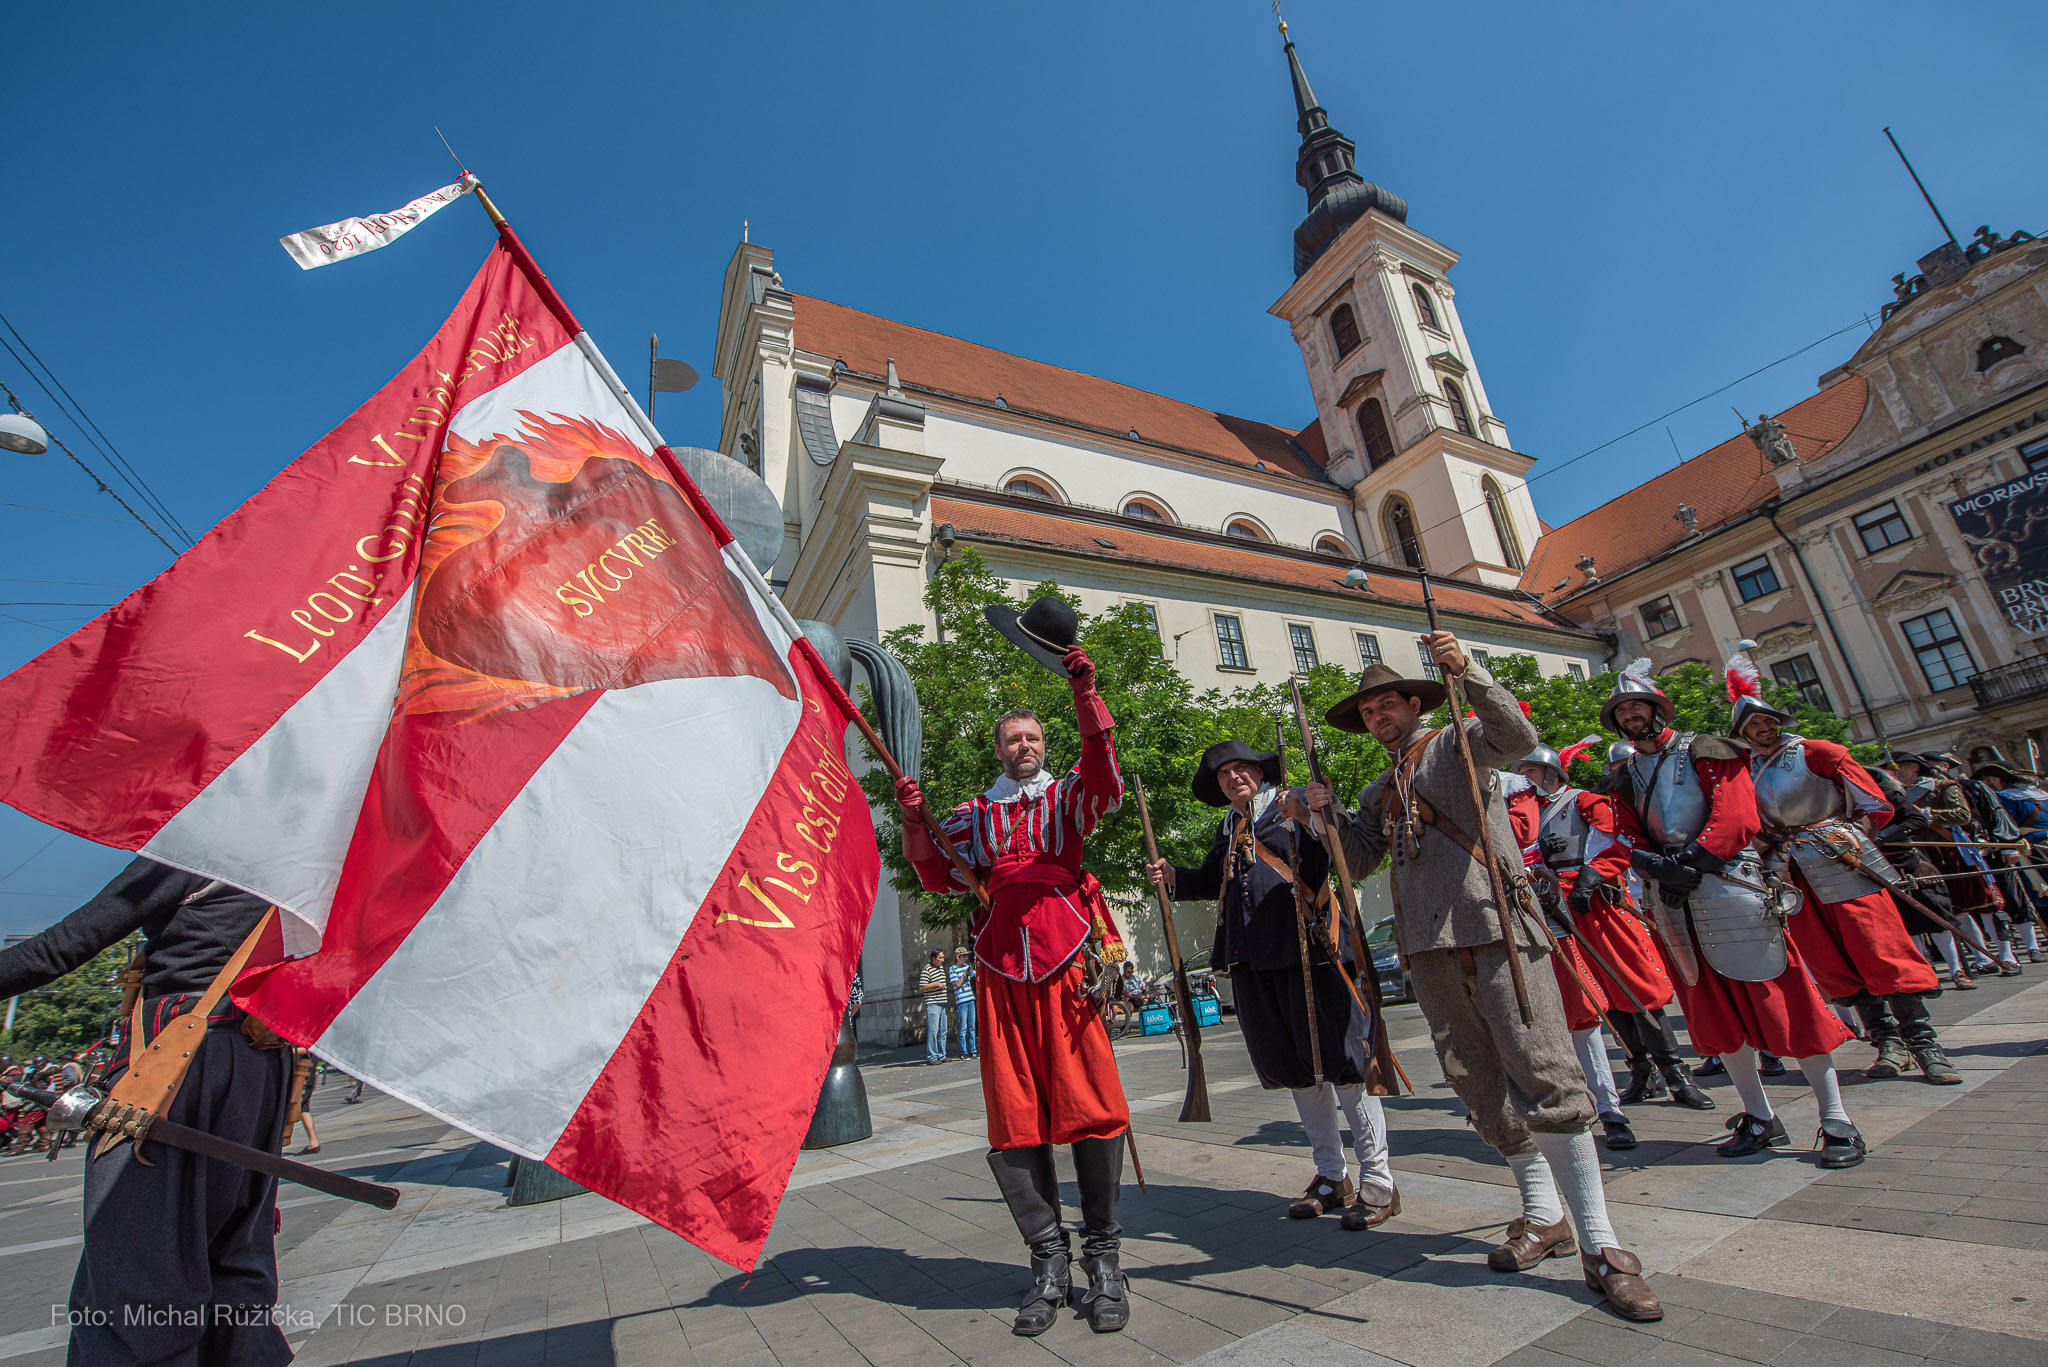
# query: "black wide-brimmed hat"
{"points": [[2003, 772], [1378, 679], [1045, 630], [1225, 752]]}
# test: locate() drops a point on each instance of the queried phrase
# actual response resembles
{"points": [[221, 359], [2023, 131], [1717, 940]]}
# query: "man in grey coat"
{"points": [[1520, 1082]]}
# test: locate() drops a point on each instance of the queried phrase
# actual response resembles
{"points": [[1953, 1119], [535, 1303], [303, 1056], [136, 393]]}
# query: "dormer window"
{"points": [[1461, 416], [1425, 308], [1329, 543], [1995, 350], [1146, 509], [1024, 486], [1344, 330], [1245, 529]]}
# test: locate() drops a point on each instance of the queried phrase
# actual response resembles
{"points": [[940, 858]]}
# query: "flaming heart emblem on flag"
{"points": [[563, 559]]}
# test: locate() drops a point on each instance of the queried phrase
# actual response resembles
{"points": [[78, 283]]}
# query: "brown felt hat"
{"points": [[1379, 679]]}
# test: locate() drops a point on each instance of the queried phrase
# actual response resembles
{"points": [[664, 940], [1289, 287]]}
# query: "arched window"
{"points": [[1461, 416], [1503, 524], [1344, 330], [1146, 508], [1245, 528], [1372, 429], [1024, 486], [1398, 519], [1425, 309], [1995, 350], [1329, 543]]}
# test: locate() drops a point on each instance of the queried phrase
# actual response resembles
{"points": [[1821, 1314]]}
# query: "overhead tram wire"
{"points": [[76, 411], [1712, 393], [105, 488]]}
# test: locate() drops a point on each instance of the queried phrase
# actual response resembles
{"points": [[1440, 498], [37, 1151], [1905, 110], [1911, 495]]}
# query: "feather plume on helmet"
{"points": [[1746, 694]]}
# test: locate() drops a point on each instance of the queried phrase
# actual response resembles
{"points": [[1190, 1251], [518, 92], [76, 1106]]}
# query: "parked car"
{"points": [[1386, 962]]}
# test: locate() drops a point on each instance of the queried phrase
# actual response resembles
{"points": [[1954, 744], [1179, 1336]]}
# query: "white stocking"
{"points": [[1591, 1047], [1540, 1204], [1577, 1165], [1317, 1107], [1946, 943], [1749, 1085], [1827, 1088], [1368, 1139]]}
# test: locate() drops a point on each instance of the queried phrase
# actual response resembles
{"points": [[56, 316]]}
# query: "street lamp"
{"points": [[22, 435]]}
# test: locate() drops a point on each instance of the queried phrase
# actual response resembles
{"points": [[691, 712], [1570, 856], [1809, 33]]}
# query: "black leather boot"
{"points": [[1031, 1189], [1683, 1090], [1917, 1035], [1881, 1029], [1643, 1082], [1099, 1171]]}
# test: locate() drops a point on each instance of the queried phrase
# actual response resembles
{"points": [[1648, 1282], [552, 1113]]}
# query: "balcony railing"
{"points": [[2011, 683]]}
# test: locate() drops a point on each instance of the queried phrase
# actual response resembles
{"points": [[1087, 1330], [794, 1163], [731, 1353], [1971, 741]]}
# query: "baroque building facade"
{"points": [[1826, 535]]}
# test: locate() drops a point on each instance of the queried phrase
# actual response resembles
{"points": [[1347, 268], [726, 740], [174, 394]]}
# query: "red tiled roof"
{"points": [[1062, 530], [1723, 483], [932, 360]]}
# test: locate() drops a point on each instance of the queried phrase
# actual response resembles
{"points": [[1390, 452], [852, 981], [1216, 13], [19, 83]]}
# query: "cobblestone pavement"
{"points": [[898, 1249]]}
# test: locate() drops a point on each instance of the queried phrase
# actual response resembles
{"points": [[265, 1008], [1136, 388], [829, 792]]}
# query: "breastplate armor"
{"points": [[1790, 795], [1561, 816], [1674, 803]]}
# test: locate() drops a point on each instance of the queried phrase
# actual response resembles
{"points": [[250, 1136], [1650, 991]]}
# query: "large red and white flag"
{"points": [[555, 801]]}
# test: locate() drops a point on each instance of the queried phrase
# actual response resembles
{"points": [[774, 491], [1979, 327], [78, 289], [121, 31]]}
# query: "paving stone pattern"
{"points": [[898, 1249]]}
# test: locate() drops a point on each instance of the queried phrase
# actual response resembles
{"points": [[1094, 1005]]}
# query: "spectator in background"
{"points": [[932, 983], [961, 976]]}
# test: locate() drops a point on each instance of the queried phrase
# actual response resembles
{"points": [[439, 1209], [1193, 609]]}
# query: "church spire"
{"points": [[1326, 167]]}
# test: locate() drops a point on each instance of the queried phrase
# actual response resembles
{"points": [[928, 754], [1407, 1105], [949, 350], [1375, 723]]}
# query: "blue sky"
{"points": [[1650, 200]]}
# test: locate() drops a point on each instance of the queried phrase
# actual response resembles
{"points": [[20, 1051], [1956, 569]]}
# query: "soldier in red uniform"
{"points": [[1047, 1074], [1685, 806], [1818, 807], [1577, 842]]}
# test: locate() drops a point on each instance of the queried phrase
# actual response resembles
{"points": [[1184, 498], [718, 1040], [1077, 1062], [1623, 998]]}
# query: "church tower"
{"points": [[1403, 412]]}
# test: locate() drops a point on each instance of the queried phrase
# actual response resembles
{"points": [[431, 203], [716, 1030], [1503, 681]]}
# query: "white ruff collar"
{"points": [[1261, 800], [1008, 789]]}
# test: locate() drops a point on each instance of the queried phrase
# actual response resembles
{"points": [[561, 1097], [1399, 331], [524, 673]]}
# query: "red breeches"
{"points": [[1047, 1073], [1859, 946], [1581, 1012], [1784, 1016]]}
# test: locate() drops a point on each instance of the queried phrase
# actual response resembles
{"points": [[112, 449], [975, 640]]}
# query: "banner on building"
{"points": [[2006, 528]]}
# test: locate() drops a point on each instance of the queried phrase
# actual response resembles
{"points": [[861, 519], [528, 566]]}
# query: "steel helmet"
{"points": [[1635, 685]]}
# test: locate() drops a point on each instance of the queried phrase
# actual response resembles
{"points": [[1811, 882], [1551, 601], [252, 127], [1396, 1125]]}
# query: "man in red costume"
{"points": [[1044, 938], [1685, 806], [1818, 807], [1577, 843]]}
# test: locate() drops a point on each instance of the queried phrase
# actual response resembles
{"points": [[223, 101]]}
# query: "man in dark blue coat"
{"points": [[1261, 931]]}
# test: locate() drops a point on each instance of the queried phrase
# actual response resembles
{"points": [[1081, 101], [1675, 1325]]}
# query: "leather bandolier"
{"points": [[1736, 919]]}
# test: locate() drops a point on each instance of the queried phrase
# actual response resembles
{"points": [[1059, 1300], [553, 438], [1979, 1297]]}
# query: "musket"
{"points": [[1347, 899], [88, 1109], [1852, 856], [1464, 744], [1308, 981], [1961, 844], [1195, 1105]]}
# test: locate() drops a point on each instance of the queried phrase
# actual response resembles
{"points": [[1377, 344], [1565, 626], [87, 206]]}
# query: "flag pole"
{"points": [[737, 559]]}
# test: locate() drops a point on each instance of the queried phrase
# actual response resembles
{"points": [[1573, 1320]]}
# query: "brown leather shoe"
{"points": [[1363, 1213], [1528, 1245], [1322, 1196], [1618, 1275]]}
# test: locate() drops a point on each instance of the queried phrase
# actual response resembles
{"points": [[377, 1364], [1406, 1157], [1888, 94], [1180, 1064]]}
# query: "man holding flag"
{"points": [[442, 692]]}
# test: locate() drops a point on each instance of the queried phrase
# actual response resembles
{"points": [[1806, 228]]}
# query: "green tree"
{"points": [[72, 1012]]}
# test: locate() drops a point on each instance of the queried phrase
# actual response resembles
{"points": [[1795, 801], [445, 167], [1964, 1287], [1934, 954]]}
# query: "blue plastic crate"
{"points": [[1155, 1020], [1207, 1011]]}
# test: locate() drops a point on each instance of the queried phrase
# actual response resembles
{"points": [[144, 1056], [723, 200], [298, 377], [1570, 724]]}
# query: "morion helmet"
{"points": [[1542, 755], [1635, 685]]}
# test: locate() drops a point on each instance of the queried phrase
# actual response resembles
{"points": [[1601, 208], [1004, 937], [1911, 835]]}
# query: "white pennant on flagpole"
{"points": [[353, 236]]}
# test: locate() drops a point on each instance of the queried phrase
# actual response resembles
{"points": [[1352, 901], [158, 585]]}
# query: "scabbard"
{"points": [[276, 1165]]}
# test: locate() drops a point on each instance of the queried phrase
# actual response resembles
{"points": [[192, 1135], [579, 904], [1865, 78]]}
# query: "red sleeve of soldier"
{"points": [[1628, 827], [1598, 811], [1828, 760], [1732, 820], [1524, 818]]}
